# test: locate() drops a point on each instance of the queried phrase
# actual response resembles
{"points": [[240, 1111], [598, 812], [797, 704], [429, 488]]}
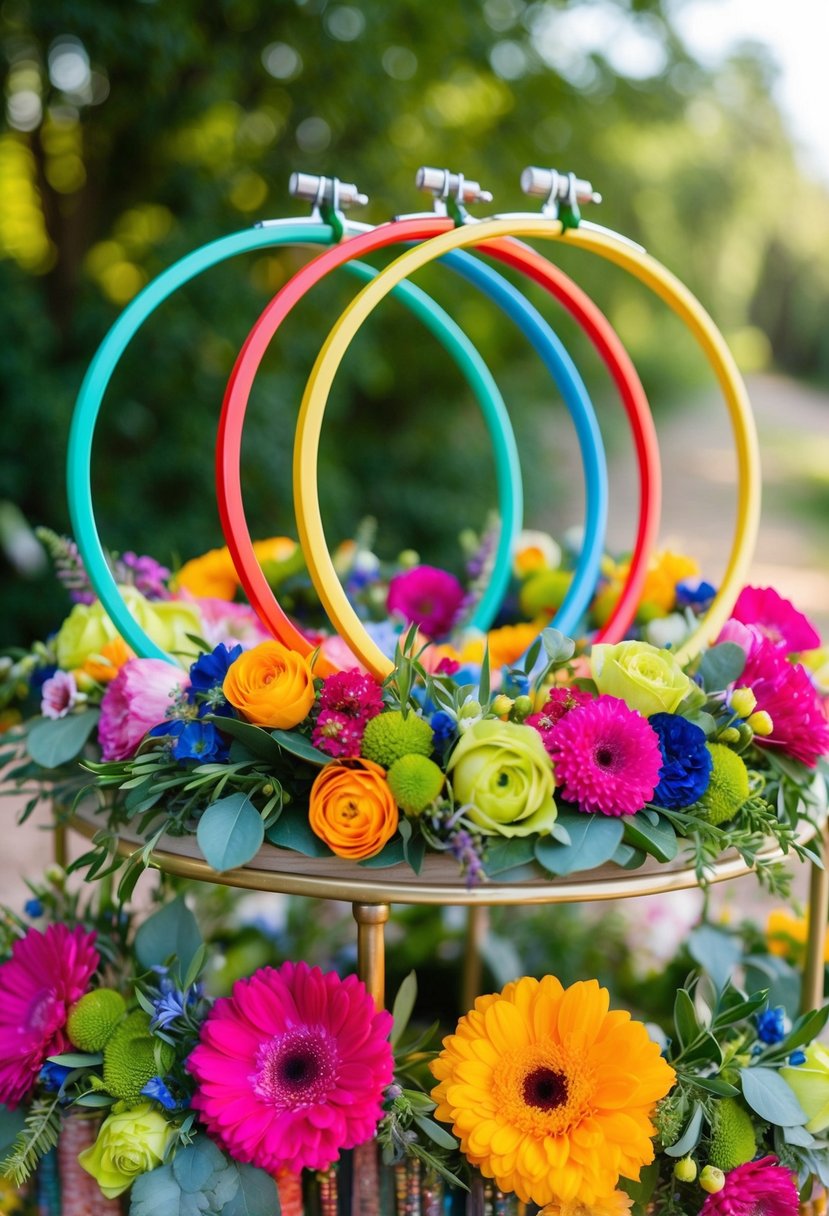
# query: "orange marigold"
{"points": [[550, 1093]]}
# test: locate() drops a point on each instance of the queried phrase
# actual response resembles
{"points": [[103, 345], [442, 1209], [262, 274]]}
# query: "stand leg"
{"points": [[812, 996], [477, 927], [371, 968]]}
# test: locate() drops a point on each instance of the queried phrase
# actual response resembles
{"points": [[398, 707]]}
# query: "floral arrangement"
{"points": [[288, 1086], [499, 750]]}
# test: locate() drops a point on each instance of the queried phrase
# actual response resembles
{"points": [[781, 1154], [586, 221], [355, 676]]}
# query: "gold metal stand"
{"points": [[371, 968], [477, 927]]}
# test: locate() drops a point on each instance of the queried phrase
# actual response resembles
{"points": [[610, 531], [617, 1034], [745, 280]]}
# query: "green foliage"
{"points": [[170, 931], [39, 1134], [230, 832]]}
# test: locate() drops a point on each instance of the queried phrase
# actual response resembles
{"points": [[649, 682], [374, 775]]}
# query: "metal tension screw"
{"points": [[556, 188], [443, 185], [318, 190]]}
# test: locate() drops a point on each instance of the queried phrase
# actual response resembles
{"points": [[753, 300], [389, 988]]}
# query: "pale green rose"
{"points": [[643, 676], [166, 622], [128, 1144], [501, 774], [810, 1082]]}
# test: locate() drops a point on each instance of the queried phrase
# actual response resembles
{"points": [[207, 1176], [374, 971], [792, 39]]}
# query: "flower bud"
{"points": [[743, 702], [761, 723], [56, 875], [685, 1170], [712, 1180], [83, 680], [521, 706], [470, 709], [408, 559], [729, 735], [502, 705]]}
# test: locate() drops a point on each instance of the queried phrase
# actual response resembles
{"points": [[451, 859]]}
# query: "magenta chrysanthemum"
{"points": [[759, 1186], [353, 693], [427, 596], [559, 702], [46, 974], [606, 757], [291, 1068], [338, 734], [786, 693], [776, 618]]}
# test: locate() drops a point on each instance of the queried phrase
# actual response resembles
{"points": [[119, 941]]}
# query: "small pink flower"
{"points": [[338, 734], [428, 596], [559, 702], [46, 974], [353, 693], [59, 695], [757, 1187], [137, 699], [606, 757], [776, 618], [291, 1068]]}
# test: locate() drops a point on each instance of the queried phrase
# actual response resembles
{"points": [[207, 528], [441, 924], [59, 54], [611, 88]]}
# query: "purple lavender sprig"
{"points": [[449, 832], [68, 564]]}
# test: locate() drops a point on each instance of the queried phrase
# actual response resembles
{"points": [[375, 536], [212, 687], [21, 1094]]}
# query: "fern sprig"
{"points": [[40, 1133]]}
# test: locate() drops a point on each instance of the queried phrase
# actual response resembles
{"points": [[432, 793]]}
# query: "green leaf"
{"points": [[690, 1137], [594, 840], [628, 857], [391, 854], [230, 832], [707, 1051], [738, 1011], [299, 746], [77, 1059], [435, 1132], [94, 1100], [806, 1028], [256, 1194], [557, 646], [196, 1163], [53, 742], [658, 839], [293, 831], [716, 951], [172, 931], [11, 1125], [721, 666], [255, 739], [484, 682], [403, 1006], [685, 1018], [505, 853], [715, 1085], [770, 1097]]}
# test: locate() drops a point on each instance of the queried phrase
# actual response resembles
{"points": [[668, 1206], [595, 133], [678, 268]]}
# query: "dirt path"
{"points": [[699, 473]]}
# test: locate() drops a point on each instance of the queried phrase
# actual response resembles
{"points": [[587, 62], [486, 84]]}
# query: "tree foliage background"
{"points": [[136, 131]]}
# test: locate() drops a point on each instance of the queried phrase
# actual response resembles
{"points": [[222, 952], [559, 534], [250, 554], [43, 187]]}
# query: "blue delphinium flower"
{"points": [[158, 1091], [445, 728], [52, 1076], [797, 1058], [199, 741], [686, 761], [169, 1007], [771, 1025], [33, 907], [694, 593], [210, 670]]}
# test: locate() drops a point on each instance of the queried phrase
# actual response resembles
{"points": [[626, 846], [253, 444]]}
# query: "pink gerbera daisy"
{"points": [[776, 618], [428, 596], [46, 974], [291, 1068], [759, 1186], [606, 757], [786, 693], [559, 702]]}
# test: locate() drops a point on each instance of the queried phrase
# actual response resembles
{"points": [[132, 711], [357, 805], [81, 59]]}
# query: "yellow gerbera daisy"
{"points": [[615, 1205], [550, 1093]]}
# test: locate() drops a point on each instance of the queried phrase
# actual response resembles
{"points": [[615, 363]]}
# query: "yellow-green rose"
{"points": [[128, 1144], [501, 774], [643, 676], [810, 1082], [88, 629]]}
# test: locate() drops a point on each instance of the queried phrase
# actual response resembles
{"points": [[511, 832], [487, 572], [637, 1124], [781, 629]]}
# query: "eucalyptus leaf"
{"points": [[230, 832], [257, 741], [716, 951], [52, 742], [392, 854], [794, 1134], [255, 1194], [293, 831], [299, 746], [721, 665], [594, 840], [557, 646], [770, 1097], [689, 1139], [657, 839], [172, 931], [403, 1006], [505, 853], [195, 1164]]}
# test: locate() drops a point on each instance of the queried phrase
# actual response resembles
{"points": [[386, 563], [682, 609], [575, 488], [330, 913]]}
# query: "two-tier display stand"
{"points": [[371, 894]]}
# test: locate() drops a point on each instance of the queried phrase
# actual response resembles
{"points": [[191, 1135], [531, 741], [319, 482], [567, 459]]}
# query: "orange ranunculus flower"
{"points": [[271, 686], [105, 665], [274, 549], [352, 808], [211, 576]]}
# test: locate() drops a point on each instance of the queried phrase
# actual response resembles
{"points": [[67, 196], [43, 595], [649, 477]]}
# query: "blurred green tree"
{"points": [[136, 131]]}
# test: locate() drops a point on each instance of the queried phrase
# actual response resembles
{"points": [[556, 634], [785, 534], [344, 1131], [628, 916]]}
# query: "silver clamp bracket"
{"points": [[328, 196], [562, 193], [452, 193]]}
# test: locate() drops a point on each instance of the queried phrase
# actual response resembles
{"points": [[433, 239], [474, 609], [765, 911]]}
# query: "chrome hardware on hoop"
{"points": [[452, 192], [329, 198], [557, 189]]}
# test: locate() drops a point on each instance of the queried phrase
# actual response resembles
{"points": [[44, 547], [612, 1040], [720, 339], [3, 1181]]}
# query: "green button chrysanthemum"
{"points": [[93, 1019], [390, 736]]}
